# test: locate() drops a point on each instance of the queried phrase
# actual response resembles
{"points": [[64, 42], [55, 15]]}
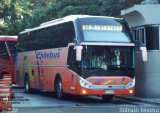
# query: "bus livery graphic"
{"points": [[27, 64]]}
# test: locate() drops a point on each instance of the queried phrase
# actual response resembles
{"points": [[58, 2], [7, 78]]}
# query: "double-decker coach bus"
{"points": [[77, 54], [7, 56]]}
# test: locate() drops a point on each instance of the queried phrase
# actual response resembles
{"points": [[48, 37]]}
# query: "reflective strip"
{"points": [[5, 99], [4, 89], [6, 79], [5, 94], [3, 85]]}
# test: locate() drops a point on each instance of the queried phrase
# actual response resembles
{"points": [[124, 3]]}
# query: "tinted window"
{"points": [[152, 38], [3, 51], [46, 38], [104, 56], [139, 37]]}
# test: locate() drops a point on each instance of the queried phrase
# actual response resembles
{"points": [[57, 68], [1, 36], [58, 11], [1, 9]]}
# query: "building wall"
{"points": [[134, 19], [148, 75], [142, 15]]}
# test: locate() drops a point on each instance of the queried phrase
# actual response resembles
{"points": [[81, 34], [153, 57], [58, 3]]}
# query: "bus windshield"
{"points": [[103, 30], [106, 57], [106, 61]]}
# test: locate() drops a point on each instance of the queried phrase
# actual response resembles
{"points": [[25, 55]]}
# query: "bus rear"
{"points": [[7, 56]]}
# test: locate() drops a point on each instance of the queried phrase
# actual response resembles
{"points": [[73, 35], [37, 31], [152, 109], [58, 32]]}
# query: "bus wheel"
{"points": [[27, 86], [107, 98], [59, 89]]}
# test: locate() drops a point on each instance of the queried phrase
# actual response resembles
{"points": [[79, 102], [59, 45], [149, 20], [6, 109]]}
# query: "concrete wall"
{"points": [[134, 19], [139, 15], [148, 75]]}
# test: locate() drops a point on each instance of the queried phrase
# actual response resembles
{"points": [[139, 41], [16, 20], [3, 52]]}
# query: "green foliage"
{"points": [[17, 15], [12, 12]]}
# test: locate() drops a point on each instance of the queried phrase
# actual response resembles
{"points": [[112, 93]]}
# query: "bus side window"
{"points": [[3, 51]]}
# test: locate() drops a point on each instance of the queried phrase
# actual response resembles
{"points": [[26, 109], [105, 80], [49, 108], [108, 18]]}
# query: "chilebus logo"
{"points": [[44, 55]]}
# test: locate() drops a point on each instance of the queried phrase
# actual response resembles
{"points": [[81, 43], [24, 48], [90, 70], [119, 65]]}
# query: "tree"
{"points": [[16, 15], [12, 12]]}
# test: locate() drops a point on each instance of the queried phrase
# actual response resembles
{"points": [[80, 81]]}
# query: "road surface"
{"points": [[45, 102]]}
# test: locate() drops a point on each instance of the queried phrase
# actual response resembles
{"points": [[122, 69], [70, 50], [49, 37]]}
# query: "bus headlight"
{"points": [[84, 83], [130, 84]]}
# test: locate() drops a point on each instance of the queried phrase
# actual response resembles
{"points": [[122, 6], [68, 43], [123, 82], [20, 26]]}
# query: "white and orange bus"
{"points": [[77, 54], [7, 56]]}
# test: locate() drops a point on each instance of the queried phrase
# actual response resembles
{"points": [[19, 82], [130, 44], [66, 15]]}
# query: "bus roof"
{"points": [[62, 20], [8, 38]]}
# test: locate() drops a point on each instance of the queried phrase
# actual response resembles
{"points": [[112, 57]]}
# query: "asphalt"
{"points": [[154, 101], [68, 110], [132, 98]]}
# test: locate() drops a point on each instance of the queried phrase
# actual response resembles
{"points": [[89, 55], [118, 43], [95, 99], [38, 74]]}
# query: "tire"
{"points": [[107, 98], [59, 89], [27, 85]]}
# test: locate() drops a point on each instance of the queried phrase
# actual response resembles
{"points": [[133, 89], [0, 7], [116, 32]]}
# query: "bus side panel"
{"points": [[26, 64], [69, 79], [58, 67], [38, 65]]}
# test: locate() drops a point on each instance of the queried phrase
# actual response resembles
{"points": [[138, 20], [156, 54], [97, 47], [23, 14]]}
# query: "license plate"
{"points": [[109, 91]]}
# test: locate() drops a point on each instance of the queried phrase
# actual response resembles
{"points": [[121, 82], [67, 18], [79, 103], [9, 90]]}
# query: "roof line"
{"points": [[61, 20]]}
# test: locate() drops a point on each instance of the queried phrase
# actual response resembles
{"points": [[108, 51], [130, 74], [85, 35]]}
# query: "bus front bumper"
{"points": [[86, 88], [85, 91]]}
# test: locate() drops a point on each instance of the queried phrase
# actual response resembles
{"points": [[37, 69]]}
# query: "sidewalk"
{"points": [[155, 101]]}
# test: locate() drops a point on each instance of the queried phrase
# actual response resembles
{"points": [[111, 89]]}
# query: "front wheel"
{"points": [[59, 89], [107, 98]]}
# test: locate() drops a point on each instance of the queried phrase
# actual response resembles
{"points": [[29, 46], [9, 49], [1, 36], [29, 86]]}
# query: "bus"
{"points": [[79, 55], [7, 56]]}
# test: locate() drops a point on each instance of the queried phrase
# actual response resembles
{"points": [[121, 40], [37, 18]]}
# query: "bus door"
{"points": [[73, 66]]}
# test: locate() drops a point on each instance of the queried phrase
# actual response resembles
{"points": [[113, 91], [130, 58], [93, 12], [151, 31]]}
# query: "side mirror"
{"points": [[79, 53], [144, 53]]}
